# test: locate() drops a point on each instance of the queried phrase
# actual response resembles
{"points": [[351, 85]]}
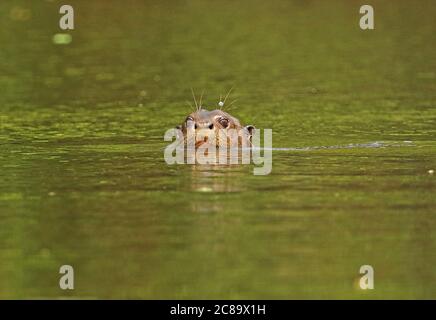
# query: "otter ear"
{"points": [[179, 127], [251, 129]]}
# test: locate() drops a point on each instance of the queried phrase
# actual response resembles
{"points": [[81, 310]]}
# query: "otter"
{"points": [[215, 122], [203, 124]]}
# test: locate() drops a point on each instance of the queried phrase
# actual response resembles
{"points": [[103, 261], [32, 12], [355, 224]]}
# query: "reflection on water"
{"points": [[83, 180], [215, 178]]}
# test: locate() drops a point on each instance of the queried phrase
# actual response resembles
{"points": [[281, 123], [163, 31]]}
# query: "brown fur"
{"points": [[202, 119]]}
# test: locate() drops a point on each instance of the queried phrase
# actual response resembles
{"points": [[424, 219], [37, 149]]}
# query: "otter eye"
{"points": [[224, 122], [190, 122]]}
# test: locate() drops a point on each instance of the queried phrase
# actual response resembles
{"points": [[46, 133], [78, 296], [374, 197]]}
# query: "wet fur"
{"points": [[202, 119]]}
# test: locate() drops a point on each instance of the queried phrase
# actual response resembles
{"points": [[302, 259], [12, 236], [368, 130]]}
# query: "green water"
{"points": [[83, 180]]}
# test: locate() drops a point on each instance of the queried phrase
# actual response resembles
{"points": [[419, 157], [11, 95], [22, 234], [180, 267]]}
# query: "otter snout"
{"points": [[214, 127], [204, 134], [204, 126]]}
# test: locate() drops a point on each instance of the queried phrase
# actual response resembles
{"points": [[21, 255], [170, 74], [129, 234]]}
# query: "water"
{"points": [[83, 179]]}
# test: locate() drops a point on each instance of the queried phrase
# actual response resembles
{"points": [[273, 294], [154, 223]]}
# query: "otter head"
{"points": [[217, 122]]}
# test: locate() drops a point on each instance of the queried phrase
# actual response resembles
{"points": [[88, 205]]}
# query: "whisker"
{"points": [[190, 104], [195, 100], [201, 98], [230, 104], [227, 95]]}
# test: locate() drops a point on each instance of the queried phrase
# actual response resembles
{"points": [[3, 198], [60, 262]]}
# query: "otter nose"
{"points": [[206, 125]]}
